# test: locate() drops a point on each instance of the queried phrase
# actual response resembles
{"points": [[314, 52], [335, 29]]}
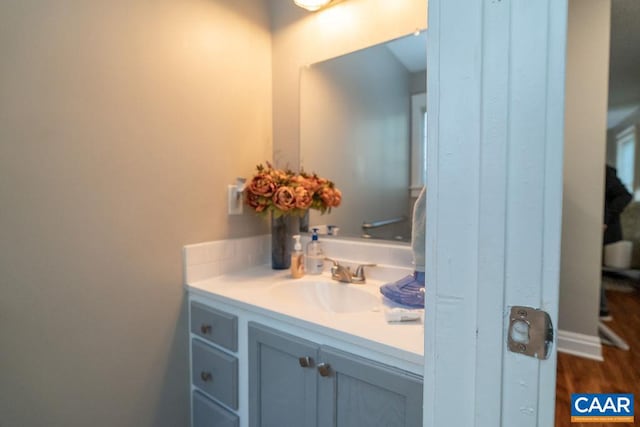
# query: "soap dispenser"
{"points": [[315, 254], [297, 259]]}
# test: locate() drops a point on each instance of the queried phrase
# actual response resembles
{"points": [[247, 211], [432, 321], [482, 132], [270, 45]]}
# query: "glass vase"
{"points": [[304, 222], [282, 230]]}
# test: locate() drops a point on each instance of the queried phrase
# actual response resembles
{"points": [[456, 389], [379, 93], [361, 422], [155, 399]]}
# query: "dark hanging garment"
{"points": [[616, 198]]}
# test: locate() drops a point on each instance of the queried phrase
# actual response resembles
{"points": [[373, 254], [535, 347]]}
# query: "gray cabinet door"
{"points": [[356, 392], [282, 390], [207, 413]]}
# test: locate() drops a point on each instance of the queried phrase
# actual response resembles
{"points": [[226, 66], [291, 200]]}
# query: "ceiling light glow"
{"points": [[312, 5]]}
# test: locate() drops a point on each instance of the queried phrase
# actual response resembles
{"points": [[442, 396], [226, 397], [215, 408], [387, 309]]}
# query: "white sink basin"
{"points": [[334, 297]]}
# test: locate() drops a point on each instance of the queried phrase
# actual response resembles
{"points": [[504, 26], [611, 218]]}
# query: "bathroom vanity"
{"points": [[269, 350]]}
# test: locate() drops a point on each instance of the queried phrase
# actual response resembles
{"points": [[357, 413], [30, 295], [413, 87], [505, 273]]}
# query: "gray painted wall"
{"points": [[301, 38], [584, 160], [121, 123], [418, 82]]}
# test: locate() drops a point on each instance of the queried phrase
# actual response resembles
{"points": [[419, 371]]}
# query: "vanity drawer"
{"points": [[216, 326], [207, 413], [215, 372]]}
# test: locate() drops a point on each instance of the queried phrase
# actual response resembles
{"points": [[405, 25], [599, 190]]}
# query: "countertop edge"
{"points": [[407, 356]]}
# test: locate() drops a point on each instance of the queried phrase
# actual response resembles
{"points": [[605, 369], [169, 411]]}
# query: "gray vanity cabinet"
{"points": [[215, 326], [214, 367], [282, 379], [354, 391], [206, 413], [295, 382]]}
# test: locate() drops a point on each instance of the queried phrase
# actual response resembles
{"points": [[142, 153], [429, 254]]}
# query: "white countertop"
{"points": [[253, 290]]}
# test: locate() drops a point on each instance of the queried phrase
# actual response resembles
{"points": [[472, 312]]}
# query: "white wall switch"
{"points": [[234, 200]]}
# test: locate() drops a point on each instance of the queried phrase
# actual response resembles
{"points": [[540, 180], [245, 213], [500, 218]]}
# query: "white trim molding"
{"points": [[587, 346], [495, 134]]}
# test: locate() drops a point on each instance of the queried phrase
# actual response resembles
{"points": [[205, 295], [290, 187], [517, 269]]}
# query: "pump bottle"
{"points": [[297, 259], [315, 254]]}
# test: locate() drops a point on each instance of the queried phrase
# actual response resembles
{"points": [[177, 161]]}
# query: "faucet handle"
{"points": [[334, 268], [335, 263], [358, 276]]}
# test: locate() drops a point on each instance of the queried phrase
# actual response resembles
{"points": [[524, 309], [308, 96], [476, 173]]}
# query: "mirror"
{"points": [[358, 116]]}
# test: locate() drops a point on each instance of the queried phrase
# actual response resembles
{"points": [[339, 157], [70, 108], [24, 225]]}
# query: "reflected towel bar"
{"points": [[382, 223]]}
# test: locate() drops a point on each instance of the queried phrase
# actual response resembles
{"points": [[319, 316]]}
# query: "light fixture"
{"points": [[312, 5]]}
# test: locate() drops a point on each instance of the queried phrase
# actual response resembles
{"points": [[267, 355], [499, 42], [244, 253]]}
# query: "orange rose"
{"points": [[302, 197], [283, 191], [257, 202], [332, 197], [319, 183], [281, 176], [284, 198], [262, 185], [310, 183]]}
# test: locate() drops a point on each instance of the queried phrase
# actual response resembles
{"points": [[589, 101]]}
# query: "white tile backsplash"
{"points": [[198, 272], [209, 259], [368, 251], [204, 260]]}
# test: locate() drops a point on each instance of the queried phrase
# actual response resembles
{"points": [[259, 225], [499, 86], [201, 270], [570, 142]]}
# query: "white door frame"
{"points": [[495, 87]]}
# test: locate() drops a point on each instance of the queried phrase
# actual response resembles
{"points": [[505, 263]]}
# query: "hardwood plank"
{"points": [[620, 371]]}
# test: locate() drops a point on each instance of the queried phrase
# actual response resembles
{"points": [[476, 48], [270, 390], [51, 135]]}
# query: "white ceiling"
{"points": [[411, 51]]}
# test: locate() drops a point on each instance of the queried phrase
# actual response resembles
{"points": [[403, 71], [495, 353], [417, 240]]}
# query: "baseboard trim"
{"points": [[587, 346]]}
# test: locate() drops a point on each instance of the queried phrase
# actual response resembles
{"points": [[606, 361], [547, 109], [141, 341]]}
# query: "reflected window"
{"points": [[626, 157], [418, 142]]}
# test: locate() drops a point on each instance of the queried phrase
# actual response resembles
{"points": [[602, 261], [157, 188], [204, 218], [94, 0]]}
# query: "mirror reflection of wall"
{"points": [[356, 126]]}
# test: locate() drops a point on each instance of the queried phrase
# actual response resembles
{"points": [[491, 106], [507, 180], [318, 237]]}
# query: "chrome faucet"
{"points": [[343, 274]]}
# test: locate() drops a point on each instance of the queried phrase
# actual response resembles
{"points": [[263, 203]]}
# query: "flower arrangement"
{"points": [[284, 192]]}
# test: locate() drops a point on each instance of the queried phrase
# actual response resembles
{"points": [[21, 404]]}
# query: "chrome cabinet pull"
{"points": [[205, 329], [305, 361], [324, 369], [206, 376]]}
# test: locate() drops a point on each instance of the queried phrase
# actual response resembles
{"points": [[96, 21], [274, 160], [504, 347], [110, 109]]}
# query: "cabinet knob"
{"points": [[205, 329], [305, 361], [324, 369], [206, 376]]}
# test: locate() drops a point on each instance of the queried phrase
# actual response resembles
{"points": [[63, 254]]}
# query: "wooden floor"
{"points": [[620, 371]]}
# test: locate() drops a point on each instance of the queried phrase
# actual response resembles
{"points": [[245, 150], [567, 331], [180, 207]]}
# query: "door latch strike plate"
{"points": [[530, 332]]}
